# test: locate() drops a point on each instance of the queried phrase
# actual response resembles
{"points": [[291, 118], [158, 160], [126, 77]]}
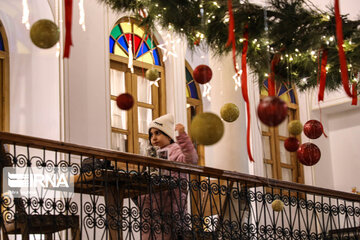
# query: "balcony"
{"points": [[125, 196]]}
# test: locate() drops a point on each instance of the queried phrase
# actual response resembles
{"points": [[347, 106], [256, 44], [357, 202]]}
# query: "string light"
{"points": [[82, 15], [131, 58], [206, 92], [26, 13], [169, 47]]}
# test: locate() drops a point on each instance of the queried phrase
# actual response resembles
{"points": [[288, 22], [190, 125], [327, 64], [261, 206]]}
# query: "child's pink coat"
{"points": [[168, 203]]}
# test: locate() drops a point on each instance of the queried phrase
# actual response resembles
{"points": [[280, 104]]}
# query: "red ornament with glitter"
{"points": [[291, 144], [125, 101], [313, 129], [272, 111], [308, 154], [202, 74]]}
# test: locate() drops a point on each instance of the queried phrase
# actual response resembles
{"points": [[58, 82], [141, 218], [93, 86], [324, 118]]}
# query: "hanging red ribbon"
{"points": [[244, 89], [271, 78], [323, 75], [354, 90], [342, 58], [231, 34], [231, 41], [68, 22]]}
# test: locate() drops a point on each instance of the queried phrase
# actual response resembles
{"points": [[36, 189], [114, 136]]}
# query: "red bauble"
{"points": [[202, 74], [308, 154], [125, 101], [272, 111], [291, 144], [313, 129]]}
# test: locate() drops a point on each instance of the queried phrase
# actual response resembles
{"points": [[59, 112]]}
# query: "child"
{"points": [[163, 212]]}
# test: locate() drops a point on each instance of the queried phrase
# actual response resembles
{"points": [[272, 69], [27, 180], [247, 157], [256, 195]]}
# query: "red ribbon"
{"points": [[231, 41], [244, 89], [354, 90], [342, 58], [68, 21], [271, 78], [323, 75]]}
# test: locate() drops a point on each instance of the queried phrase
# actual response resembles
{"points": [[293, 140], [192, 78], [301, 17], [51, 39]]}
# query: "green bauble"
{"points": [[229, 112], [295, 127], [207, 128], [44, 33], [277, 205], [152, 74]]}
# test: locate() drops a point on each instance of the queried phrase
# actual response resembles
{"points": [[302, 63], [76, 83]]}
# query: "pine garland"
{"points": [[294, 28]]}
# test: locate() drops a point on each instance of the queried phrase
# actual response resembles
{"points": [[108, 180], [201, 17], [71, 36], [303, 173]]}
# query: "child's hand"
{"points": [[180, 128]]}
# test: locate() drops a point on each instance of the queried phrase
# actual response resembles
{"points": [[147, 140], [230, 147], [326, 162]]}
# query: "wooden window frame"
{"points": [[158, 104], [4, 83]]}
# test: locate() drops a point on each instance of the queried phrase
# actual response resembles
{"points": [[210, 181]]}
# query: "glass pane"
{"points": [[283, 128], [143, 145], [118, 117], [144, 119], [268, 170], [287, 174], [143, 90], [119, 142], [117, 80], [285, 156], [266, 146]]}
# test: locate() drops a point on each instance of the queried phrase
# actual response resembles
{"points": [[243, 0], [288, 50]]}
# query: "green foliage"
{"points": [[296, 29]]}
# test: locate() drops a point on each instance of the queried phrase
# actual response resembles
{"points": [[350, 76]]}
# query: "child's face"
{"points": [[158, 138]]}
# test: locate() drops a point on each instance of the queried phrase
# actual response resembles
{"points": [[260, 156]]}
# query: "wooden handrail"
{"points": [[251, 180]]}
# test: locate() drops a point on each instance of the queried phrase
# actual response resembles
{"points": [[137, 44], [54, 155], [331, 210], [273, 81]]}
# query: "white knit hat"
{"points": [[164, 123]]}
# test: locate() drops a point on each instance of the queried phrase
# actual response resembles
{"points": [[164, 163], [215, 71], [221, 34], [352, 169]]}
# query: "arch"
{"points": [[4, 81], [129, 128], [279, 163]]}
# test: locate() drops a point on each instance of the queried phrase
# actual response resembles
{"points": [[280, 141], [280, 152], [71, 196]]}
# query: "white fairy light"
{"points": [[169, 47], [26, 13], [57, 49], [155, 83], [206, 92], [82, 15]]}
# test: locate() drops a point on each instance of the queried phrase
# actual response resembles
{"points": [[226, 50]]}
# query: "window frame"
{"points": [[4, 83], [275, 139], [158, 104]]}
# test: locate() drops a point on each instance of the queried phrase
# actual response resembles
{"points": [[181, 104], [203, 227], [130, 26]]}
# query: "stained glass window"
{"points": [[191, 89], [284, 92], [2, 48], [143, 48]]}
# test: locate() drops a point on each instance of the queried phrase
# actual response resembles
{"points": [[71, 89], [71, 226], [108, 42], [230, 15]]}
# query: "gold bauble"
{"points": [[295, 127], [229, 112], [152, 74], [44, 33], [277, 205], [207, 128]]}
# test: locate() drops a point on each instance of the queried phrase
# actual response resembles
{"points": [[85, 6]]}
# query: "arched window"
{"points": [[194, 106], [129, 128], [4, 80], [279, 163]]}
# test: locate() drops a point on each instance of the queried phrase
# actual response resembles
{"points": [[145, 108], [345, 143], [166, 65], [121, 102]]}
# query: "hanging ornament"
{"points": [[202, 74], [169, 47], [313, 129], [291, 144], [44, 33], [152, 74], [125, 101], [272, 111], [308, 154], [207, 128], [295, 127], [197, 41], [277, 205], [229, 112]]}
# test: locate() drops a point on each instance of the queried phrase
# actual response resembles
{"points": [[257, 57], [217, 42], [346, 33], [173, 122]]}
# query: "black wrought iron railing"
{"points": [[126, 196]]}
